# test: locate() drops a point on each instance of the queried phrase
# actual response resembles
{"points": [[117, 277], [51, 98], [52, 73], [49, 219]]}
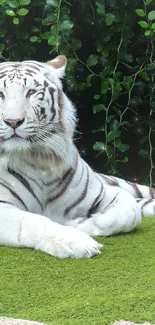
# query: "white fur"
{"points": [[48, 188]]}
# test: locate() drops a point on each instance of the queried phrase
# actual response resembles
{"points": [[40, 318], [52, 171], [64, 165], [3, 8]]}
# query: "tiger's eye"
{"points": [[1, 94], [31, 92]]}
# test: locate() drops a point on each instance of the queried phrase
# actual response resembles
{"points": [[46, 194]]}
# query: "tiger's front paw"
{"points": [[69, 243]]}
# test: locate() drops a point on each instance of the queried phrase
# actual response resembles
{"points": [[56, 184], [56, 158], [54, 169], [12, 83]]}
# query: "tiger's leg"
{"points": [[23, 229], [118, 213]]}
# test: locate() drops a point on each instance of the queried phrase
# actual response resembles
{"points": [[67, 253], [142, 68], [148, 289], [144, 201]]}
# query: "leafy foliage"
{"points": [[111, 53]]}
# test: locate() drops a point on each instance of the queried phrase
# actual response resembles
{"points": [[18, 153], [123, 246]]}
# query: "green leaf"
{"points": [[110, 118], [2, 47], [99, 47], [98, 146], [112, 135], [128, 57], [75, 44], [52, 40], [3, 32], [97, 96], [122, 147], [45, 35], [111, 150], [92, 60], [124, 160], [147, 2], [105, 52], [143, 24], [23, 12], [100, 129], [147, 32], [15, 21], [127, 85], [13, 4], [10, 13], [54, 30], [143, 139], [140, 12], [105, 86], [114, 125], [126, 123], [143, 153], [144, 75], [71, 64], [111, 81], [151, 15], [53, 3], [153, 26], [88, 80], [33, 39], [66, 24], [99, 108], [109, 19], [100, 8], [24, 2], [35, 29]]}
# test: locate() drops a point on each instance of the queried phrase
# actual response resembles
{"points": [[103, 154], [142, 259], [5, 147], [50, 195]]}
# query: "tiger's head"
{"points": [[35, 114]]}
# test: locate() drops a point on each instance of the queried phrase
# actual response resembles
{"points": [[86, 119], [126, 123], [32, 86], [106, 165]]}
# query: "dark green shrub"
{"points": [[110, 50]]}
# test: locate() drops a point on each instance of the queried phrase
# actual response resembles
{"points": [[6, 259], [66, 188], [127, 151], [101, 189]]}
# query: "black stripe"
{"points": [[112, 201], [3, 76], [96, 203], [33, 63], [51, 91], [36, 183], [14, 194], [6, 202], [152, 192], [81, 176], [25, 183], [137, 191], [46, 84], [110, 180], [51, 183], [61, 105], [81, 198], [6, 71], [28, 74], [32, 66], [36, 83], [7, 65], [65, 181], [144, 204]]}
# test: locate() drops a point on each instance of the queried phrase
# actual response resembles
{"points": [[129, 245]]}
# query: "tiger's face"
{"points": [[34, 112]]}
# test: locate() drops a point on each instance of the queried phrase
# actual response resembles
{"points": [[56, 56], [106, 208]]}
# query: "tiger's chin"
{"points": [[15, 144], [19, 147]]}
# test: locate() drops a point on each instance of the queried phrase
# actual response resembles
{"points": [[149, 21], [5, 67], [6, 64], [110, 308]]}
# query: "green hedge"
{"points": [[111, 53]]}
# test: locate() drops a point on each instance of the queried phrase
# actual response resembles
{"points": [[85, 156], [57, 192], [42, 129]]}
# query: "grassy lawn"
{"points": [[118, 284]]}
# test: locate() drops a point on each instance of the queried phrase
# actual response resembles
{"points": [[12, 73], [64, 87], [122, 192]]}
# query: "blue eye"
{"points": [[31, 92]]}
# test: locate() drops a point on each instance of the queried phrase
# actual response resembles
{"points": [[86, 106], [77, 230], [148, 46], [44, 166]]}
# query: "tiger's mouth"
{"points": [[16, 137]]}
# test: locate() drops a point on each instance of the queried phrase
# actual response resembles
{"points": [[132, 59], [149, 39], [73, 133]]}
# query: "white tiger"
{"points": [[50, 199]]}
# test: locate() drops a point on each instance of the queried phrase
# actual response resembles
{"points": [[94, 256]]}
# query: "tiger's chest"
{"points": [[59, 198]]}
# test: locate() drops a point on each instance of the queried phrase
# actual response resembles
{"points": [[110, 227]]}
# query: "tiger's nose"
{"points": [[14, 123]]}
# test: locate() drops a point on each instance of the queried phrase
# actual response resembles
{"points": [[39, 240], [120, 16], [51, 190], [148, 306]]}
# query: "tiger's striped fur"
{"points": [[50, 199]]}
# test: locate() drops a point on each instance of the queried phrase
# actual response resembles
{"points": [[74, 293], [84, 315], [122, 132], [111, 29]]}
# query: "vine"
{"points": [[111, 58]]}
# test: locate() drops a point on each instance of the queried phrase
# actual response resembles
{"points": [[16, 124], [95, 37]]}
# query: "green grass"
{"points": [[118, 284]]}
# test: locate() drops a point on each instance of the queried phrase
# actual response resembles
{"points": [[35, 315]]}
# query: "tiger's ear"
{"points": [[59, 63]]}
